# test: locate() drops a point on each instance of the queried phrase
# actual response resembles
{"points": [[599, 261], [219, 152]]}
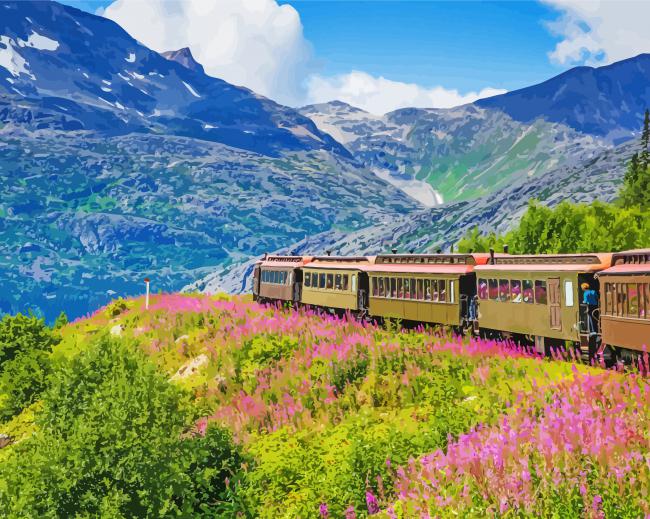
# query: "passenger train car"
{"points": [[532, 299]]}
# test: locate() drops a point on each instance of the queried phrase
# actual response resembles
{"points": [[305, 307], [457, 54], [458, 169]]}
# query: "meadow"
{"points": [[219, 407]]}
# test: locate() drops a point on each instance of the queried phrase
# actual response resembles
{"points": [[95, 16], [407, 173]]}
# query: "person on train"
{"points": [[590, 298]]}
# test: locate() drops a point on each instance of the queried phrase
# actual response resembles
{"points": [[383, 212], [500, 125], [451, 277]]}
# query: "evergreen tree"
{"points": [[645, 140], [61, 321]]}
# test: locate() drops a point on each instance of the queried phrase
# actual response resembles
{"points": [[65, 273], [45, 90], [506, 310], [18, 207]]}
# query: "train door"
{"points": [[364, 290], [297, 285], [554, 303], [256, 282]]}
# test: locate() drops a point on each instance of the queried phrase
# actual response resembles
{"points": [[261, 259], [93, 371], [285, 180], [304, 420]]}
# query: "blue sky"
{"points": [[381, 55], [463, 45]]}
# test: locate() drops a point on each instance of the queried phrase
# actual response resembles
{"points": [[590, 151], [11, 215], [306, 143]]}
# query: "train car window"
{"points": [[387, 287], [568, 293], [540, 292], [493, 289], [482, 289], [321, 280], [452, 291], [527, 285], [621, 293], [504, 290], [427, 290], [608, 298], [263, 276], [515, 291], [381, 287], [407, 289], [646, 291], [307, 279], [393, 287], [413, 288], [337, 282], [420, 289], [442, 290], [375, 287], [330, 281], [345, 281], [354, 283], [434, 290], [400, 292], [632, 300]]}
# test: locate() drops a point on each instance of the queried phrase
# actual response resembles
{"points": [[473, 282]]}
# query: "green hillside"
{"points": [[218, 407]]}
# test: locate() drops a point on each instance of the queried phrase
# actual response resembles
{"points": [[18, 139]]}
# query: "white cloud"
{"points": [[379, 95], [254, 43], [260, 45], [599, 32]]}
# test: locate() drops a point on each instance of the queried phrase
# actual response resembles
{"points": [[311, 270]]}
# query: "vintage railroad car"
{"points": [[427, 288], [336, 282], [625, 302], [278, 278], [539, 298]]}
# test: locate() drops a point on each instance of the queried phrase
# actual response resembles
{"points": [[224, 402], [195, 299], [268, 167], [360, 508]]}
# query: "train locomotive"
{"points": [[598, 304]]}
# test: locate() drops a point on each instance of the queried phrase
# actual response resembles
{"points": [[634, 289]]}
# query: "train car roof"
{"points": [[284, 261], [629, 262], [549, 263], [449, 263], [340, 262]]}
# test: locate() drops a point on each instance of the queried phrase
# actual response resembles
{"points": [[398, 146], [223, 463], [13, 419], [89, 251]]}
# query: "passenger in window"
{"points": [[407, 289], [400, 290], [381, 287], [307, 279], [420, 292], [515, 291], [504, 290], [427, 290], [493, 289], [528, 291], [434, 290], [330, 281], [442, 290], [482, 289], [321, 281], [345, 282], [412, 288], [337, 282]]}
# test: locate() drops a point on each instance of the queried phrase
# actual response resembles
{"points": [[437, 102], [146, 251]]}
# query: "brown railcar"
{"points": [[625, 301], [278, 278], [427, 288], [336, 282], [539, 298]]}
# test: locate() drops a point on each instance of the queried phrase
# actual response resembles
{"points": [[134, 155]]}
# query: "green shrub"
{"points": [[23, 334], [113, 442], [22, 380]]}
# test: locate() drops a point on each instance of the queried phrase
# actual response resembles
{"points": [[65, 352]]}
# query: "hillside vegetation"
{"points": [[572, 228], [219, 407]]}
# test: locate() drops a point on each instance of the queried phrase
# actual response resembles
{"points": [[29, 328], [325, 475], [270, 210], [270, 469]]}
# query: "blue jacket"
{"points": [[589, 297]]}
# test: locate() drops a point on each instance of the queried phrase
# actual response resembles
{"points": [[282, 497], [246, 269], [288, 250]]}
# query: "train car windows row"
{"points": [[274, 276], [434, 290], [515, 291], [327, 281], [627, 300]]}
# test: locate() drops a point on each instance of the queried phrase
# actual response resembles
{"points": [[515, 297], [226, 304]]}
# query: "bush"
{"points": [[23, 334], [22, 381], [113, 441], [25, 346]]}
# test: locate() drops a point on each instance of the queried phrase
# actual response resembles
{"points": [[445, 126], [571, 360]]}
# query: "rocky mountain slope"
{"points": [[445, 155], [117, 163], [428, 230]]}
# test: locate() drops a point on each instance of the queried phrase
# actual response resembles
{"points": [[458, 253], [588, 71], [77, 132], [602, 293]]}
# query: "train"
{"points": [[598, 304]]}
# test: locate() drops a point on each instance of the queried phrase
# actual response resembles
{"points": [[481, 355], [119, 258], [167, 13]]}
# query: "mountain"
{"points": [[606, 101], [446, 155], [117, 163], [73, 71], [428, 230], [474, 150], [185, 58]]}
